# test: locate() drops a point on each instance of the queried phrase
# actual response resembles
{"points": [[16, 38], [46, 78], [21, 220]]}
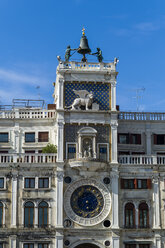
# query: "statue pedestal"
{"points": [[95, 106]]}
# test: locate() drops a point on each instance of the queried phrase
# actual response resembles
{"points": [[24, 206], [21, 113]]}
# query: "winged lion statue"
{"points": [[85, 99]]}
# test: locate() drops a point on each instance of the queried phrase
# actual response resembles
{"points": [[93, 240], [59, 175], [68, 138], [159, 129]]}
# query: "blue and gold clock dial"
{"points": [[87, 201]]}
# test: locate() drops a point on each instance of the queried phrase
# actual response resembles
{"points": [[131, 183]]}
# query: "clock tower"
{"points": [[87, 167]]}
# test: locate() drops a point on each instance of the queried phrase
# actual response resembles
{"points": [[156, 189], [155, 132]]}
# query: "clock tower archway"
{"points": [[87, 245]]}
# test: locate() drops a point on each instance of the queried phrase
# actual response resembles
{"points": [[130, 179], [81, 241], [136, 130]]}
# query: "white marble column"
{"points": [[36, 216], [115, 242], [60, 142], [59, 240], [16, 145], [113, 95], [148, 140], [115, 200], [114, 142], [136, 213], [94, 146], [59, 199], [157, 241], [156, 203], [14, 201], [13, 241], [60, 100], [80, 147]]}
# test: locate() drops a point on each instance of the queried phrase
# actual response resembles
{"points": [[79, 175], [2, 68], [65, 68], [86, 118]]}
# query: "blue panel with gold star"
{"points": [[101, 93]]}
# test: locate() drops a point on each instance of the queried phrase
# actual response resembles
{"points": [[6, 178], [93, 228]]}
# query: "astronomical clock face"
{"points": [[87, 202]]}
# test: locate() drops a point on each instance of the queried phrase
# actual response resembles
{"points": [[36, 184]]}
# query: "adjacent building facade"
{"points": [[105, 185]]}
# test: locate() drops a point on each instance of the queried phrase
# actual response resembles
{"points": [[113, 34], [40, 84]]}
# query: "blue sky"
{"points": [[34, 32]]}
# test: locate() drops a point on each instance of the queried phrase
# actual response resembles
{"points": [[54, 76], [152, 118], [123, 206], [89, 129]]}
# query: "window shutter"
{"points": [[149, 184], [43, 136], [139, 139], [155, 139], [135, 183], [122, 183]]}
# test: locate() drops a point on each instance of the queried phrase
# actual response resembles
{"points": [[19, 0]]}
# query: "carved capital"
{"points": [[60, 175], [17, 132], [113, 83], [14, 177], [155, 179], [114, 175], [61, 80], [61, 124], [114, 124]]}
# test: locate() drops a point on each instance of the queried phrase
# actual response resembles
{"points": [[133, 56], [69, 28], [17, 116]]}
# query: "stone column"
{"points": [[12, 242], [115, 201], [148, 140], [59, 240], [36, 216], [60, 100], [94, 146], [14, 202], [136, 214], [59, 199], [60, 142], [80, 147], [156, 203], [157, 241], [115, 242], [113, 95], [16, 133], [114, 142]]}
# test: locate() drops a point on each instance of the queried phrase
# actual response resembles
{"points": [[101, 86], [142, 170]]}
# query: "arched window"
{"points": [[29, 214], [1, 214], [129, 215], [43, 214], [143, 215]]}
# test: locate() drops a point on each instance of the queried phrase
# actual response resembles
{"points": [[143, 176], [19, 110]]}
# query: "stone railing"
{"points": [[27, 114], [141, 116], [141, 160], [86, 66], [28, 158]]}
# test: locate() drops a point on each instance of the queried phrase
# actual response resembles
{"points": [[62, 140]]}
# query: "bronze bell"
{"points": [[84, 48]]}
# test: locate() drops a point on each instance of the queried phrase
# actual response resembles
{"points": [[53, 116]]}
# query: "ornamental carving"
{"points": [[87, 202]]}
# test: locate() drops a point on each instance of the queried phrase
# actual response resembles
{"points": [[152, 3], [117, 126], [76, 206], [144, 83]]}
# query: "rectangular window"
{"points": [[1, 183], [43, 245], [28, 245], [71, 151], [135, 139], [142, 184], [1, 245], [159, 139], [103, 152], [123, 138], [144, 245], [43, 182], [130, 245], [4, 137], [43, 136], [29, 137], [29, 183], [129, 138], [127, 183], [136, 183]]}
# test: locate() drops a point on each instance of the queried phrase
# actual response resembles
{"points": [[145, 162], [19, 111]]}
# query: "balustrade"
{"points": [[141, 159], [28, 114], [141, 116], [28, 158]]}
